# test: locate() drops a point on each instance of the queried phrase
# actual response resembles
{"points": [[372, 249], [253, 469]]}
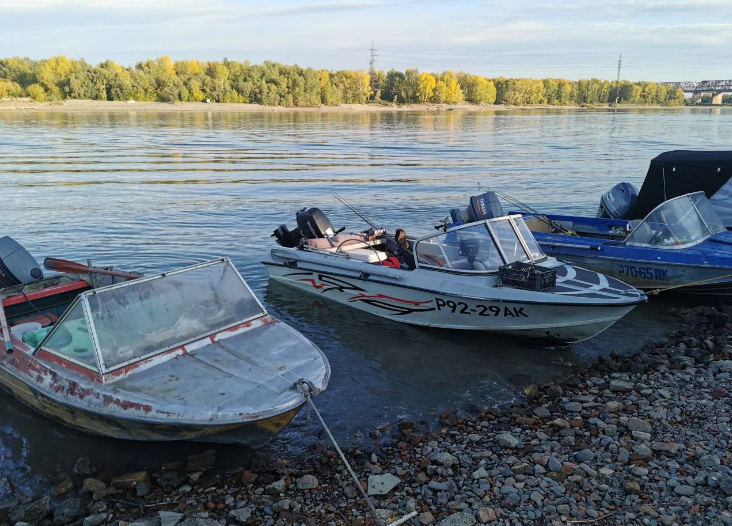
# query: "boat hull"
{"points": [[553, 323], [250, 433], [654, 275]]}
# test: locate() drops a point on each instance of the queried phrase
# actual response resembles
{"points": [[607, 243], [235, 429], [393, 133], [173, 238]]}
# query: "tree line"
{"points": [[271, 83]]}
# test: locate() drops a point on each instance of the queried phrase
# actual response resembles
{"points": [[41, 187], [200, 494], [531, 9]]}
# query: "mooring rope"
{"points": [[656, 292], [308, 389]]}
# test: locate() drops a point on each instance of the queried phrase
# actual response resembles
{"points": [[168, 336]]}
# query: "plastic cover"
{"points": [[143, 317], [679, 222]]}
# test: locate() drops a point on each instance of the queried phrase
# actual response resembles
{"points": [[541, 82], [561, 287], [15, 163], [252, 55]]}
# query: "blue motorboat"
{"points": [[682, 244]]}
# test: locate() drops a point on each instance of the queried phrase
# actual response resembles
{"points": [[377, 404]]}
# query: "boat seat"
{"points": [[366, 254], [346, 242], [45, 320]]}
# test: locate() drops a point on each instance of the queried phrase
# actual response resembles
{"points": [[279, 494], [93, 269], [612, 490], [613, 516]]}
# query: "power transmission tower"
{"points": [[372, 60], [617, 89]]}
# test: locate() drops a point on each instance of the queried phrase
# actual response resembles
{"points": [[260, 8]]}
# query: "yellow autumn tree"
{"points": [[36, 92], [426, 88], [453, 93]]}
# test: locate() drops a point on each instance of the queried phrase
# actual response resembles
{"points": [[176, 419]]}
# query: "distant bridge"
{"points": [[716, 87]]}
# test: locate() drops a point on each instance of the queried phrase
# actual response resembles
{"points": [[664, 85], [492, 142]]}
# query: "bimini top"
{"points": [[480, 247], [681, 222], [112, 327], [680, 172]]}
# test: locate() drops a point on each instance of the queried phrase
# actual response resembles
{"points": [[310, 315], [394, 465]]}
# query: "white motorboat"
{"points": [[488, 275]]}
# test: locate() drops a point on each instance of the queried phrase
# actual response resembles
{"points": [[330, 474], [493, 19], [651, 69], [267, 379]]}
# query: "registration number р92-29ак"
{"points": [[460, 307]]}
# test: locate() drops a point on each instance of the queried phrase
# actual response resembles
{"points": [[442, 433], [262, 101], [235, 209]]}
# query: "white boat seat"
{"points": [[367, 254]]}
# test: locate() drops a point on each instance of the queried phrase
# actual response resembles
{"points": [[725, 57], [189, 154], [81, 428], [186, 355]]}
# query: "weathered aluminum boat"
{"points": [[454, 279], [184, 355], [682, 244]]}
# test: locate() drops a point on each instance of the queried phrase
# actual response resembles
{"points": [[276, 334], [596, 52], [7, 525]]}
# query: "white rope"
{"points": [[308, 388]]}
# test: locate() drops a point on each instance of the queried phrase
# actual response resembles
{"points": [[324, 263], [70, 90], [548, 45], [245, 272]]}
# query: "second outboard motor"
{"points": [[17, 266], [484, 206], [313, 223], [617, 201]]}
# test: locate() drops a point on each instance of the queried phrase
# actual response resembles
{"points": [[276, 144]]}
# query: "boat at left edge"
{"points": [[189, 354]]}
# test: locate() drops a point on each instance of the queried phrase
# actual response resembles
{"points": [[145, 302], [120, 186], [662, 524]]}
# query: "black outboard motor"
{"points": [[17, 266], [617, 201], [311, 224], [484, 206]]}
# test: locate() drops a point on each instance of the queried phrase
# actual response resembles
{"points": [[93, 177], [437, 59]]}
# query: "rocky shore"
{"points": [[641, 439]]}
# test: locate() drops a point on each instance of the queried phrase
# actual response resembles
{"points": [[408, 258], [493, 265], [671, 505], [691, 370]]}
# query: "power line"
{"points": [[617, 90]]}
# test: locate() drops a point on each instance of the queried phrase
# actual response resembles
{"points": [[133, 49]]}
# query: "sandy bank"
{"points": [[83, 106]]}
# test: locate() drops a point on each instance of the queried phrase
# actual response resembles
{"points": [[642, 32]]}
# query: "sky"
{"points": [[660, 40]]}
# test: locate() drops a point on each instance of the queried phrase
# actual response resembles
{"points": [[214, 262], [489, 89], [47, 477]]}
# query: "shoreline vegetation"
{"points": [[273, 84], [24, 105], [629, 439]]}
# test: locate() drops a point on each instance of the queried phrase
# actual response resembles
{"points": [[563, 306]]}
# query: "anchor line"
{"points": [[307, 389]]}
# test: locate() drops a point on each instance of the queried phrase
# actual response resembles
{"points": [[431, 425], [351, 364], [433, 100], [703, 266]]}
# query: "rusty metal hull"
{"points": [[247, 433]]}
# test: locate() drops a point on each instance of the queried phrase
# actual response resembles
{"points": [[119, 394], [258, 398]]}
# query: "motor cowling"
{"points": [[616, 202], [483, 206], [17, 266], [313, 224]]}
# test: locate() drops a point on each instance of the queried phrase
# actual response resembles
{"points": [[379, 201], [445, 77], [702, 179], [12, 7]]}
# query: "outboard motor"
{"points": [[311, 224], [314, 224], [484, 206], [17, 266], [616, 202]]}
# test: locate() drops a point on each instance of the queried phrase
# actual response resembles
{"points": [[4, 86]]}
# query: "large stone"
{"points": [[382, 484], [458, 519], [543, 413], [636, 424], [202, 461], [709, 461], [131, 480], [573, 407], [68, 511], [426, 518], [95, 520], [487, 515], [307, 482], [507, 440], [92, 485], [621, 386], [241, 515], [585, 455], [197, 521], [146, 521], [33, 512], [62, 488], [169, 518], [684, 490], [85, 466], [443, 458]]}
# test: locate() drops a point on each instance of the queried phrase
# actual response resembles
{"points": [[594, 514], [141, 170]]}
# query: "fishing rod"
{"points": [[392, 243], [541, 217]]}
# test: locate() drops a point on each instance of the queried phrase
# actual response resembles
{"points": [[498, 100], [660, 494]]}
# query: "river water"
{"points": [[155, 191]]}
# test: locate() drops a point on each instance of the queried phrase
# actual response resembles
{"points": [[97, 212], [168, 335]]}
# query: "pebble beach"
{"points": [[630, 439]]}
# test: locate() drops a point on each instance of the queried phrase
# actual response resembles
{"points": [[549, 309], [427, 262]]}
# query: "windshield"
{"points": [[679, 222], [472, 248]]}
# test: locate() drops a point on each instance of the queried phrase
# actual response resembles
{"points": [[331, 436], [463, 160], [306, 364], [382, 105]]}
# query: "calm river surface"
{"points": [[155, 191]]}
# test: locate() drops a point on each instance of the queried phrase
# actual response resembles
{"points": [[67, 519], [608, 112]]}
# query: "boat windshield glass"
{"points": [[534, 250], [469, 248], [144, 317], [71, 338], [677, 223], [510, 243]]}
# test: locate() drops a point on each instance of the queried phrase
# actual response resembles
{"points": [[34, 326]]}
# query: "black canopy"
{"points": [[680, 172]]}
